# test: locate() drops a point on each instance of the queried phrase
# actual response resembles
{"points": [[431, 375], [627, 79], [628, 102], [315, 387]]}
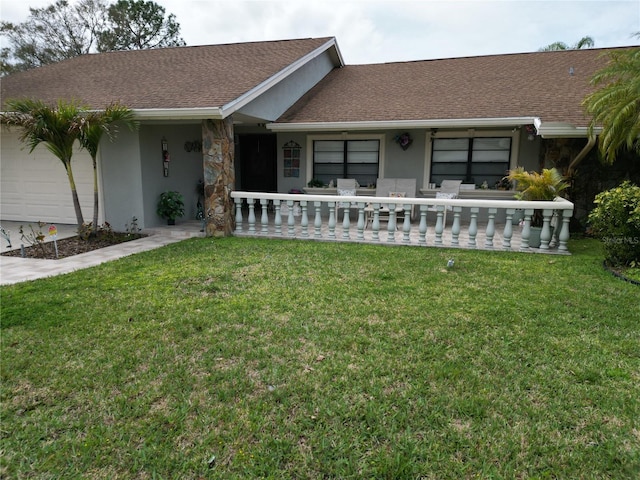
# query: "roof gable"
{"points": [[199, 77]]}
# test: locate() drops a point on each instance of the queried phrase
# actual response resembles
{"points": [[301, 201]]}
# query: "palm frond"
{"points": [[615, 106], [538, 186]]}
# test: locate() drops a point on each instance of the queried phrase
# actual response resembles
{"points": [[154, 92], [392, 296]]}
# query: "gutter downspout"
{"points": [[583, 153]]}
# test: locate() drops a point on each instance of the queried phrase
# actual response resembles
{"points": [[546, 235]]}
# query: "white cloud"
{"points": [[371, 31]]}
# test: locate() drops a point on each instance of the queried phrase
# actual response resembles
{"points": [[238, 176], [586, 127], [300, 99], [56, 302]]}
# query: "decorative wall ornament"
{"points": [[404, 140], [291, 152], [165, 157], [195, 146]]}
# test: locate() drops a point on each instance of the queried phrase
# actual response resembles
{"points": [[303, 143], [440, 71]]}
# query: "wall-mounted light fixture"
{"points": [[531, 132], [165, 157]]}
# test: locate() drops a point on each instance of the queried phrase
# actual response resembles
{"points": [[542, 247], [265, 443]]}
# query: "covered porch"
{"points": [[455, 223]]}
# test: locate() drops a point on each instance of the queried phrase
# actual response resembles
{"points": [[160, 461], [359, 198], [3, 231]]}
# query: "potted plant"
{"points": [[170, 206], [315, 183], [532, 186]]}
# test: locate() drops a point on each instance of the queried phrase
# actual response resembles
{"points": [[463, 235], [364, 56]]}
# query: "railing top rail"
{"points": [[558, 204]]}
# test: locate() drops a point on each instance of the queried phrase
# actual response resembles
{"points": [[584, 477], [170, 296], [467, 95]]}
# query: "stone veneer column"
{"points": [[219, 176]]}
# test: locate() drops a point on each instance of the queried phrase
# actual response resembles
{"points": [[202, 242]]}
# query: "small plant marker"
{"points": [[53, 233]]}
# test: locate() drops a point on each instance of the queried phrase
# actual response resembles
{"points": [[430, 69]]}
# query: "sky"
{"points": [[378, 31]]}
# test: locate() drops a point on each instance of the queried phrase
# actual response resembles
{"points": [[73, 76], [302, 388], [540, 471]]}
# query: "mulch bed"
{"points": [[67, 247]]}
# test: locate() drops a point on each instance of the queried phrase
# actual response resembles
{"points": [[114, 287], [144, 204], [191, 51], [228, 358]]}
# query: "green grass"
{"points": [[631, 273], [289, 359]]}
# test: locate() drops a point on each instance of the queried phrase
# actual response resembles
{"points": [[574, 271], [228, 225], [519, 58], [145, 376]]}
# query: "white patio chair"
{"points": [[448, 189], [347, 187], [392, 187]]}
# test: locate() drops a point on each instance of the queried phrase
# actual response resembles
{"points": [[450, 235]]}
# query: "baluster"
{"points": [[439, 224], [375, 225], [491, 228], [278, 220], [252, 215], [332, 220], [508, 228], [423, 225], [264, 218], [545, 234], [555, 229], [346, 221], [526, 229], [406, 225], [318, 220], [238, 215], [304, 221], [391, 225], [360, 235], [455, 228], [563, 238], [473, 227], [291, 220]]}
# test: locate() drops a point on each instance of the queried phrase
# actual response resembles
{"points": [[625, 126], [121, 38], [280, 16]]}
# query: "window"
{"points": [[472, 160], [359, 159]]}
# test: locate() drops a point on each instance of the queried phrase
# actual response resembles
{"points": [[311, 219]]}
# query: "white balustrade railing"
{"points": [[324, 217]]}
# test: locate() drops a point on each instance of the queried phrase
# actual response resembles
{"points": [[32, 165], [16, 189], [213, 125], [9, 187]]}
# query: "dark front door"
{"points": [[257, 155]]}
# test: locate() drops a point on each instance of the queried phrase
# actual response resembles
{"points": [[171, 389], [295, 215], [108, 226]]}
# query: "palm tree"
{"points": [[57, 127], [584, 42], [93, 126], [616, 105]]}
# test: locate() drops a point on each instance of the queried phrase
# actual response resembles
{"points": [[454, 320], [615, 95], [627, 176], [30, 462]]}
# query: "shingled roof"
{"points": [[168, 78], [545, 85], [457, 92]]}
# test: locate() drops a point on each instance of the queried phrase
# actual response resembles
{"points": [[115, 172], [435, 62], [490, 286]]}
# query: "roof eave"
{"points": [[402, 124]]}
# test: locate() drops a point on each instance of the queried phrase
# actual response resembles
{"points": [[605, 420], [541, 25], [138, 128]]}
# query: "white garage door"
{"points": [[34, 186]]}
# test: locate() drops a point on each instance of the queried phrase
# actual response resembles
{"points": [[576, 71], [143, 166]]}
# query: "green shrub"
{"points": [[616, 220], [170, 205]]}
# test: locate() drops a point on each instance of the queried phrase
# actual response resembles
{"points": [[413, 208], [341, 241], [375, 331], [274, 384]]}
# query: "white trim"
{"points": [[178, 113], [261, 88], [563, 130], [344, 136], [402, 124], [513, 133]]}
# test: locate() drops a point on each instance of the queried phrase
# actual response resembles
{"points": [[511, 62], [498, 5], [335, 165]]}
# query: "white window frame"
{"points": [[430, 135], [343, 137]]}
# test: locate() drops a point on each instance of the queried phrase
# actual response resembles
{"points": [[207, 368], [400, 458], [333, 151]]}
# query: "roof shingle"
{"points": [[180, 77], [496, 86]]}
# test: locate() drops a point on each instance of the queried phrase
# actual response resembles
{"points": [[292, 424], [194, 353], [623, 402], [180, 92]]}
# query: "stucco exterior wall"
{"points": [[409, 163], [529, 152], [286, 184], [185, 168], [121, 180]]}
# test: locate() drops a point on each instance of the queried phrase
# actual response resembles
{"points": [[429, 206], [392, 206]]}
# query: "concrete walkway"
{"points": [[16, 269]]}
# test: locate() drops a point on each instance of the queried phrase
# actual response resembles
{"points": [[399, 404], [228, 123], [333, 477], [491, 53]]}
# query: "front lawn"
{"points": [[250, 358]]}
